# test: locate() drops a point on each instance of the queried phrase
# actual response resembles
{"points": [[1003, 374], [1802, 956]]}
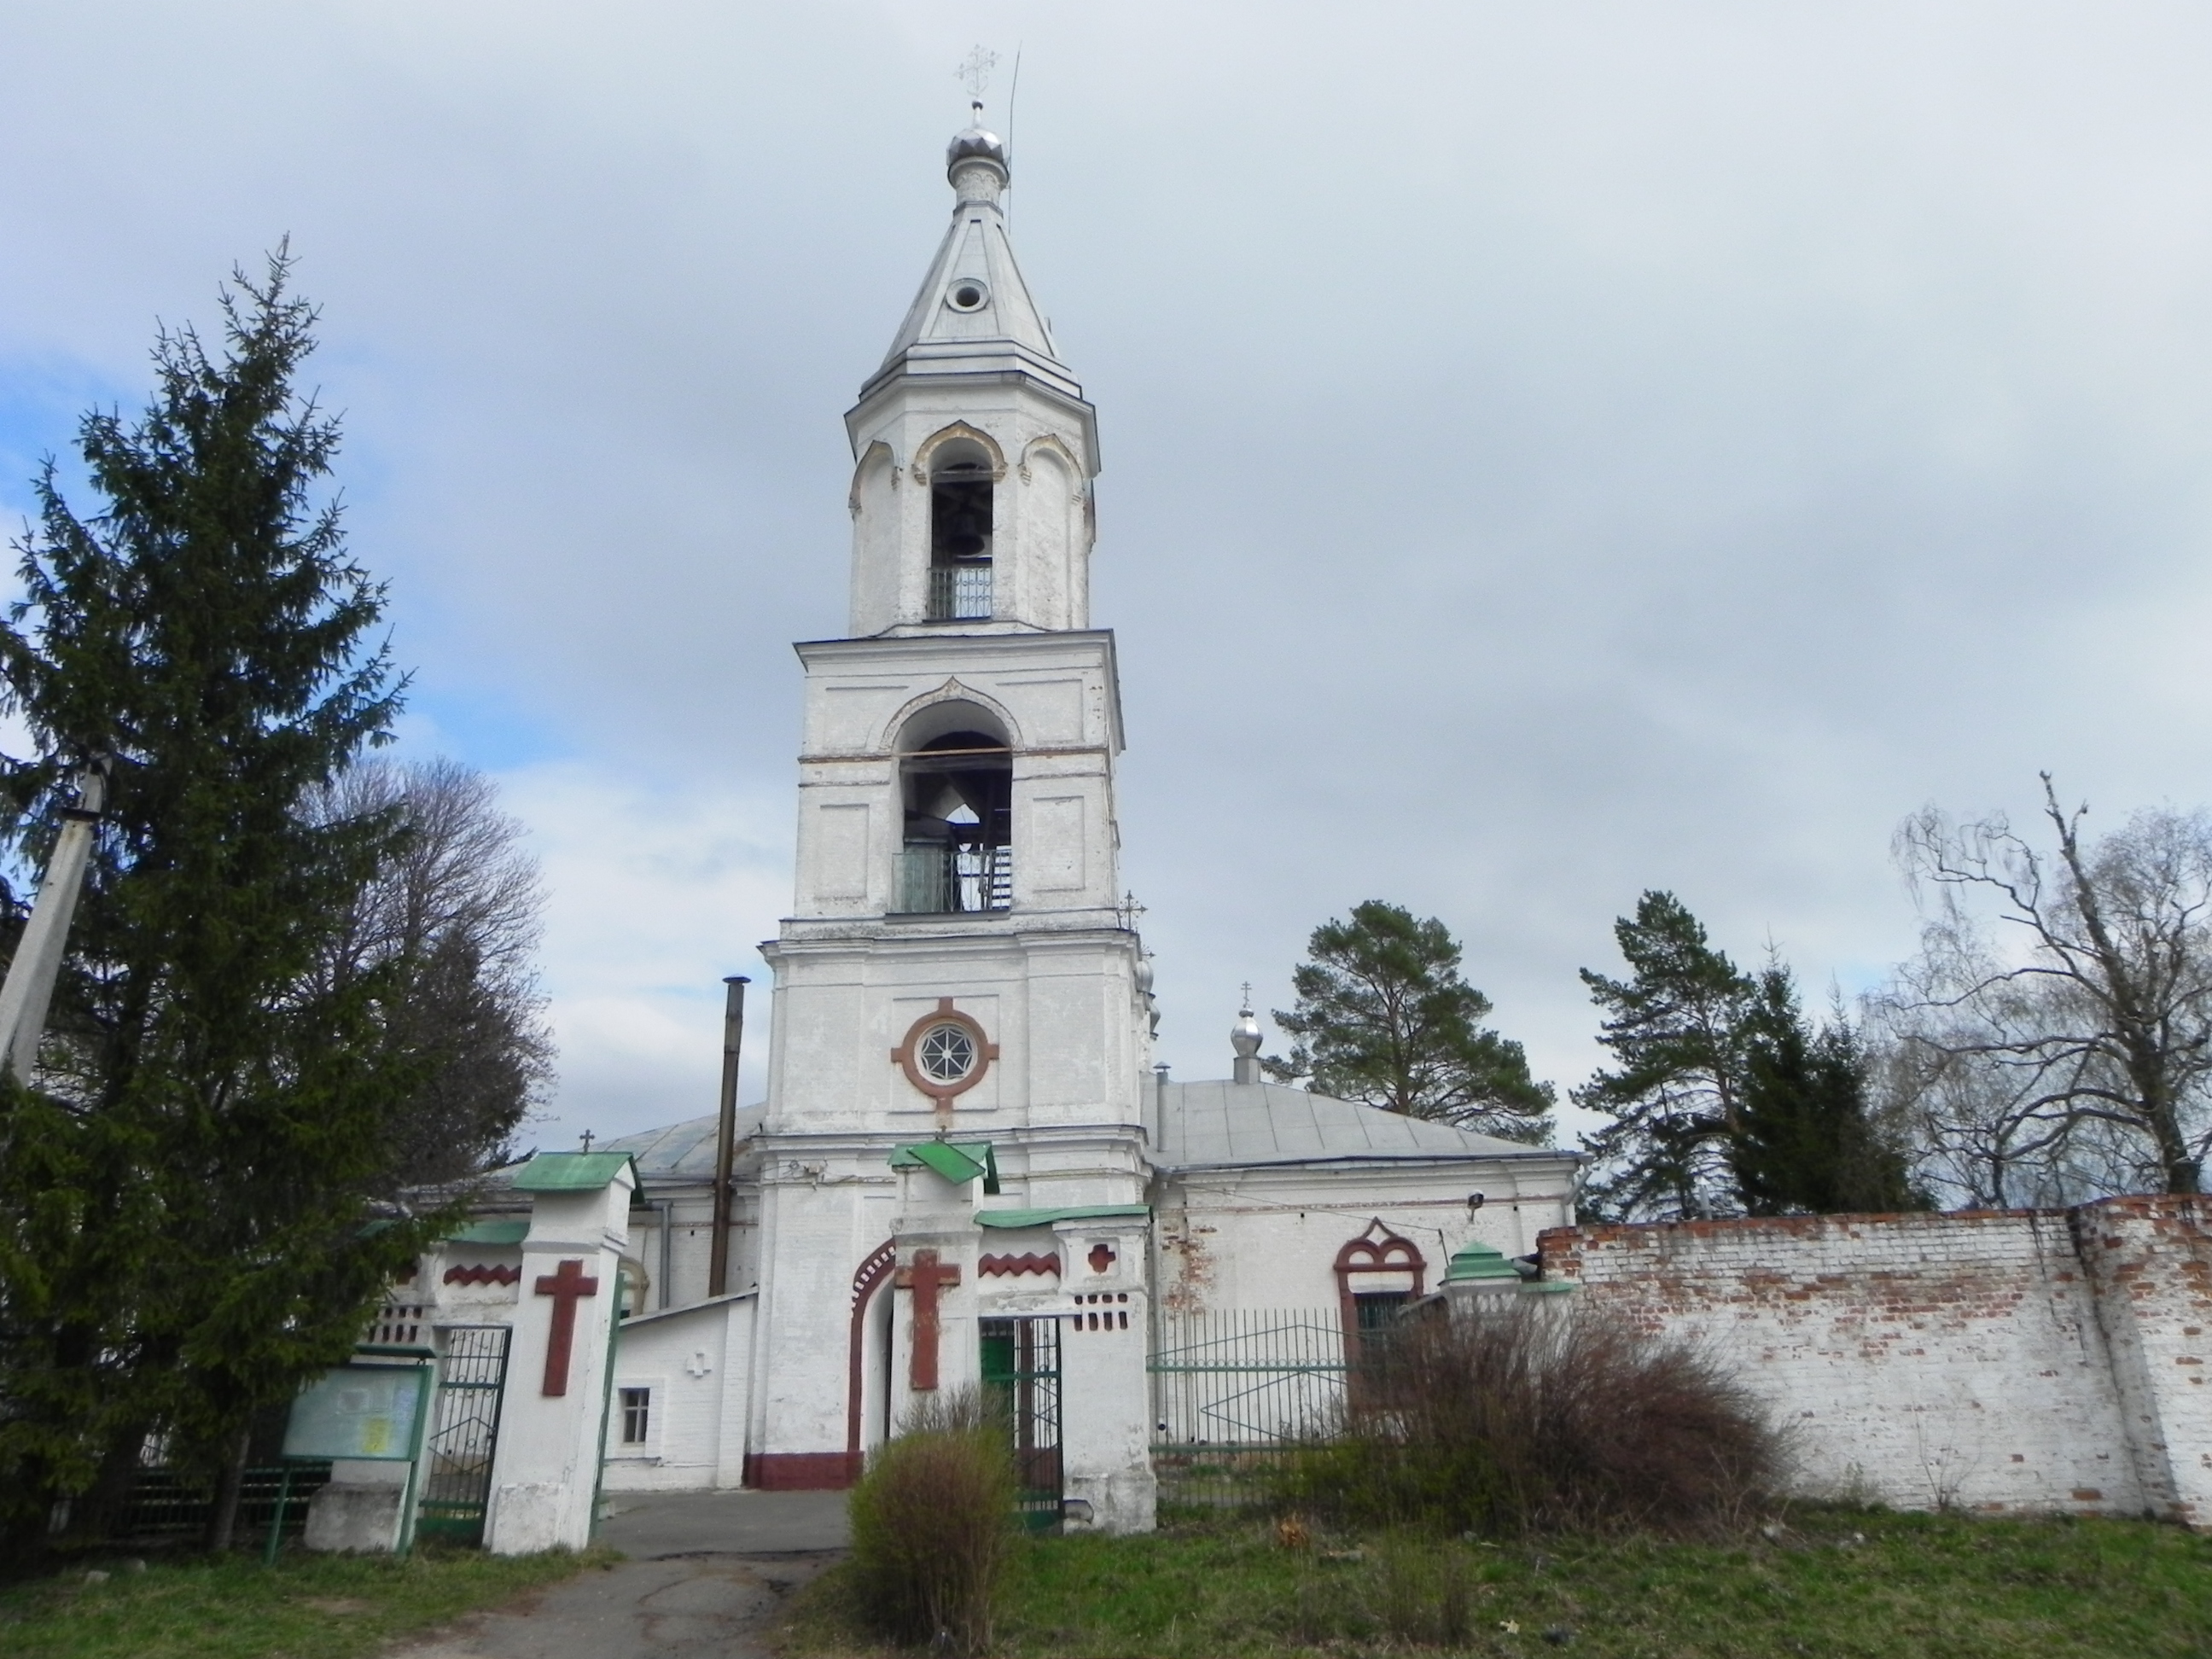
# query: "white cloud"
{"points": [[1550, 452], [658, 889]]}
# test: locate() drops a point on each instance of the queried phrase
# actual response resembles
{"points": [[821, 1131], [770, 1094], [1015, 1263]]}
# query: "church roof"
{"points": [[1204, 1125], [973, 313], [685, 1148]]}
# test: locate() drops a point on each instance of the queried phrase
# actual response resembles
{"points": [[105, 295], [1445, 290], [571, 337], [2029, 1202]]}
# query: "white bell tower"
{"points": [[956, 968]]}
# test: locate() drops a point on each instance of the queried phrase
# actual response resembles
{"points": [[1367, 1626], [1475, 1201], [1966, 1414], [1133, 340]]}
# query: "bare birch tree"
{"points": [[456, 911], [2054, 1035]]}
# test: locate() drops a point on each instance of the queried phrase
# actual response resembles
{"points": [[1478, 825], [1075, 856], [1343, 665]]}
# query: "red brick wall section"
{"points": [[2002, 1360]]}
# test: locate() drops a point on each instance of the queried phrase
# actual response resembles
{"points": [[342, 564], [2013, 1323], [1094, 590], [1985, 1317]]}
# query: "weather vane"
{"points": [[975, 74]]}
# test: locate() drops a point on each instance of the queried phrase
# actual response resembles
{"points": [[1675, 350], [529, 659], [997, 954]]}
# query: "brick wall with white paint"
{"points": [[2007, 1360], [2150, 1260]]}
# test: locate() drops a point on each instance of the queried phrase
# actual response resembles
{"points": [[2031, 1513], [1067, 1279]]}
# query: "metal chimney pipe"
{"points": [[726, 1133]]}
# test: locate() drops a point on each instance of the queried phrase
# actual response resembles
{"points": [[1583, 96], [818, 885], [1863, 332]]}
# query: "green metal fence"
{"points": [[1234, 1389], [163, 1504]]}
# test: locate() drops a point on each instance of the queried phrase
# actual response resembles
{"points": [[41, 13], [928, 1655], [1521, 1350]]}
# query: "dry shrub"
{"points": [[932, 1520], [1535, 1416]]}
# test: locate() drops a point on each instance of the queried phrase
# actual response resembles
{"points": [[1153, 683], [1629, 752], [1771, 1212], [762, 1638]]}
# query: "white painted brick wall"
{"points": [[2027, 1360]]}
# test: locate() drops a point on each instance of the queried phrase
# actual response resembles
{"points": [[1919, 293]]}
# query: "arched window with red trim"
{"points": [[1378, 1273]]}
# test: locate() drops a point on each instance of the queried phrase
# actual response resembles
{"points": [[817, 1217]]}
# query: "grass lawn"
{"points": [[1841, 1583], [305, 1607]]}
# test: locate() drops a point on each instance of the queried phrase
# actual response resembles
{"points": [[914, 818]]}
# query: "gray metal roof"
{"points": [[1203, 1124], [682, 1149], [1217, 1123]]}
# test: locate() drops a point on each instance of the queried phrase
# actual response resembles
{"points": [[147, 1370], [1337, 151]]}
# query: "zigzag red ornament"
{"points": [[1014, 1265], [478, 1274]]}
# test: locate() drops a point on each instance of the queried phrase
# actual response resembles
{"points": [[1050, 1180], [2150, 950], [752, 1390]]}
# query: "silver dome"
{"points": [[975, 142]]}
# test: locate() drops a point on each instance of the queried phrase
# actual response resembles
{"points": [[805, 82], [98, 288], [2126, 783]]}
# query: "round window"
{"points": [[967, 294], [945, 1053]]}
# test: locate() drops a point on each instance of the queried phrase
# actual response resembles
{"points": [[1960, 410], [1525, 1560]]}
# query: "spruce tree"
{"points": [[1384, 1018], [187, 1227], [1806, 1142]]}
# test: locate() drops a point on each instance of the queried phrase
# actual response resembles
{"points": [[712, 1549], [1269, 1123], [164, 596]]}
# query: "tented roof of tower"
{"points": [[973, 313], [1206, 1125]]}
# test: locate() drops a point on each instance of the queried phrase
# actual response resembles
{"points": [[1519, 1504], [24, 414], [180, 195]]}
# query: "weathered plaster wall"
{"points": [[1268, 1239], [2028, 1360], [695, 1361]]}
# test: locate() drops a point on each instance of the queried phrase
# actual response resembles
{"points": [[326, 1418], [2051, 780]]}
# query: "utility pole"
{"points": [[28, 990], [733, 1036]]}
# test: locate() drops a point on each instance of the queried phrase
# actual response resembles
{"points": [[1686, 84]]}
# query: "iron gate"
{"points": [[464, 1431], [1021, 1374]]}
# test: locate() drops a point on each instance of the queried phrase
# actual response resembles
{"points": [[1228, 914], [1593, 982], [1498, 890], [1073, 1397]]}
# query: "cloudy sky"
{"points": [[1550, 451]]}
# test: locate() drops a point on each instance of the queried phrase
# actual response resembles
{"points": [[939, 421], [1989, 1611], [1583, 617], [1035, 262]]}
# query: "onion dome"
{"points": [[1244, 1035], [976, 141]]}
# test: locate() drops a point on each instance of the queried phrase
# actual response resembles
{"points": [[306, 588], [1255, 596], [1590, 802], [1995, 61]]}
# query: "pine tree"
{"points": [[1676, 1028], [186, 1222], [1384, 1018], [1725, 1099]]}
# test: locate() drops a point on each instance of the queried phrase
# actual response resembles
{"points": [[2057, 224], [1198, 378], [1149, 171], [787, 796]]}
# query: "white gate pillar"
{"points": [[1105, 1392], [552, 1430]]}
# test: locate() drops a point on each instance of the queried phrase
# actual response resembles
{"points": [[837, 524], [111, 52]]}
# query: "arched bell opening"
{"points": [[961, 520], [958, 788]]}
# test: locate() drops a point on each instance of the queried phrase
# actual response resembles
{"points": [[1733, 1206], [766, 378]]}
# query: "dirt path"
{"points": [[706, 1574]]}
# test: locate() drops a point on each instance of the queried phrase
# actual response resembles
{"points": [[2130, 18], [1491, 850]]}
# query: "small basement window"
{"points": [[636, 1416]]}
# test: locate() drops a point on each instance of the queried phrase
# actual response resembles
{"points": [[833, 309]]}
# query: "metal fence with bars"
{"points": [[1021, 1369], [960, 592], [165, 1503], [957, 879], [1233, 1389], [464, 1431]]}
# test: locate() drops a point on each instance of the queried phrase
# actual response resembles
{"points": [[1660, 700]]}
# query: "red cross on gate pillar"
{"points": [[925, 1279], [565, 1285]]}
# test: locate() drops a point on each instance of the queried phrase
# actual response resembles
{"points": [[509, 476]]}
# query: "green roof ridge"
{"points": [[575, 1172], [1046, 1218]]}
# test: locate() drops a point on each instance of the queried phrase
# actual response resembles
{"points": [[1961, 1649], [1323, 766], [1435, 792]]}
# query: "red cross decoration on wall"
{"points": [[565, 1285], [925, 1278]]}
